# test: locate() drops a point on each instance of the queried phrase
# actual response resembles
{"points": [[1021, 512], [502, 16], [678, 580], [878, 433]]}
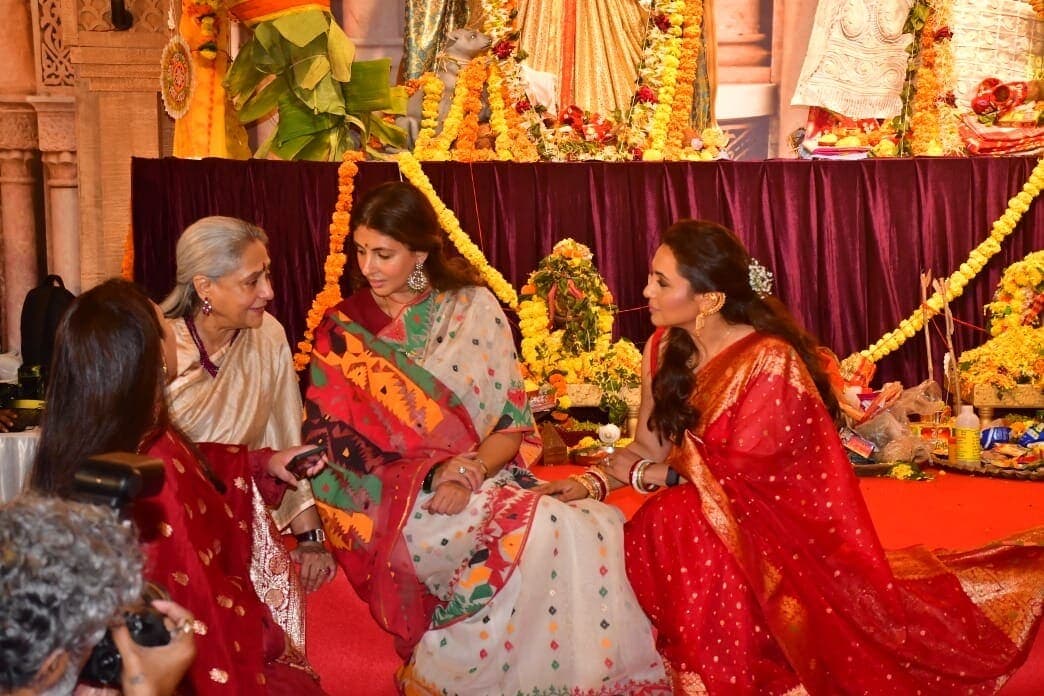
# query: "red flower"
{"points": [[636, 153], [983, 104], [662, 22], [503, 49], [572, 116], [943, 33], [645, 95], [523, 105], [950, 99]]}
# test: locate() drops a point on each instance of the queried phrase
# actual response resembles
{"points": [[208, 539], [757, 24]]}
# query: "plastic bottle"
{"points": [[967, 436]]}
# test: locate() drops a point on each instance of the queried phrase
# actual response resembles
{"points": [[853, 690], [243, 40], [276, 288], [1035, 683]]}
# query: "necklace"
{"points": [[204, 358]]}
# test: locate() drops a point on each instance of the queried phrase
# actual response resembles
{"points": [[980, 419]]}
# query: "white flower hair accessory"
{"points": [[760, 278]]}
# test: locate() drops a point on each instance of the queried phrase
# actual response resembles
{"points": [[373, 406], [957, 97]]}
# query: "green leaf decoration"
{"points": [[388, 133], [368, 90], [296, 120], [399, 98], [341, 51], [263, 102], [288, 150], [310, 71], [269, 38], [301, 28], [328, 98]]}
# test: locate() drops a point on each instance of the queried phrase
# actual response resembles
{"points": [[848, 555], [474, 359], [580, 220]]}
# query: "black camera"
{"points": [[146, 627], [116, 480]]}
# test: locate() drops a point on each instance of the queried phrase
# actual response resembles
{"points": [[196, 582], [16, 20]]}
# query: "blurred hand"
{"points": [[7, 419], [564, 489], [276, 466], [317, 565], [157, 671], [449, 498]]}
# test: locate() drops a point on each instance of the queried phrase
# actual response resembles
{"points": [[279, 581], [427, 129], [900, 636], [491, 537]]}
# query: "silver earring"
{"points": [[208, 308], [417, 281]]}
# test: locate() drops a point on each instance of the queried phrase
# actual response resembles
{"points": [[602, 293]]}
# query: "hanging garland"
{"points": [[411, 169], [333, 267], [977, 259]]}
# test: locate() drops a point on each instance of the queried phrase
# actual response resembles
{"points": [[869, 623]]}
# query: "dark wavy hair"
{"points": [[106, 385], [713, 259], [401, 211]]}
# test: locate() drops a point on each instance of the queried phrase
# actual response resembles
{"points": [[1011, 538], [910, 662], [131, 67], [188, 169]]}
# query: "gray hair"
{"points": [[66, 569], [212, 247]]}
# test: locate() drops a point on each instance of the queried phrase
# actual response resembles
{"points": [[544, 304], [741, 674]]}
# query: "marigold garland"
{"points": [[127, 264], [333, 267], [977, 259], [411, 169], [432, 88], [681, 116], [1013, 358], [670, 60]]}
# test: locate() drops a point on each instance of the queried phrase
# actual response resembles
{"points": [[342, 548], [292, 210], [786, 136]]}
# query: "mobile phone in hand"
{"points": [[301, 462]]}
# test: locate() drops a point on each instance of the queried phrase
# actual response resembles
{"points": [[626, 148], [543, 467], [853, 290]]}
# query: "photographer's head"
{"points": [[66, 570], [106, 382]]}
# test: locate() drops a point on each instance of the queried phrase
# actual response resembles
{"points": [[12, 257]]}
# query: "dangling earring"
{"points": [[701, 318], [207, 308], [417, 281]]}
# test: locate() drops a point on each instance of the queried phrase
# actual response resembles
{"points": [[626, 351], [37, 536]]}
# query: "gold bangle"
{"points": [[603, 480], [584, 480]]}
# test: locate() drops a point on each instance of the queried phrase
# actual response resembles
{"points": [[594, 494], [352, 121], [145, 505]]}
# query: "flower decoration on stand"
{"points": [[1019, 299], [1013, 358], [566, 319]]}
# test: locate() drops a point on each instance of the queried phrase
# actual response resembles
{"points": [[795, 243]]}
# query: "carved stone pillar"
{"points": [[118, 115], [56, 125], [17, 213], [746, 98]]}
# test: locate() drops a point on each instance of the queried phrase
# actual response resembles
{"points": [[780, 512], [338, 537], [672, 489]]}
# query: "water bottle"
{"points": [[967, 435]]}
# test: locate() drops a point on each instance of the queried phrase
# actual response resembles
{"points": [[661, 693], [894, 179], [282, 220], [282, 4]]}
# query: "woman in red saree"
{"points": [[758, 564], [487, 586], [106, 395]]}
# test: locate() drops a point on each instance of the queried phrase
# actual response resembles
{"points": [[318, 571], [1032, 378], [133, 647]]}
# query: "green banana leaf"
{"points": [[368, 90], [387, 132], [398, 98], [310, 71], [301, 28], [341, 51], [263, 102]]}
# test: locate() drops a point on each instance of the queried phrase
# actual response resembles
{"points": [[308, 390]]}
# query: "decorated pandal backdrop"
{"points": [[846, 240], [529, 122]]}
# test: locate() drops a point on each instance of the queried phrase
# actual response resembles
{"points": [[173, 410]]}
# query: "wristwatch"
{"points": [[317, 535]]}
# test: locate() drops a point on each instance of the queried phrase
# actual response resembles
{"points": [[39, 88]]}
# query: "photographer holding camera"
{"points": [[68, 571], [106, 394]]}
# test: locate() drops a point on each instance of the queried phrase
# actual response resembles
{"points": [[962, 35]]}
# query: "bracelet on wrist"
{"points": [[482, 465], [637, 476], [318, 535], [429, 479], [602, 480]]}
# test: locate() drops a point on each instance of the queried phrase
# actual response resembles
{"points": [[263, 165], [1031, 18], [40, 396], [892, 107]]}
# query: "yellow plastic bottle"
{"points": [[967, 432]]}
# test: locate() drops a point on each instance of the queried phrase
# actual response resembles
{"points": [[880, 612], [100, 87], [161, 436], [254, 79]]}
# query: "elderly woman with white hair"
{"points": [[66, 571], [234, 383]]}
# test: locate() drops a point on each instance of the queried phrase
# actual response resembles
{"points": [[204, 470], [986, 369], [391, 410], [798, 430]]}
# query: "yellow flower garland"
{"points": [[671, 58], [432, 88], [411, 169], [681, 117], [333, 267], [979, 256]]}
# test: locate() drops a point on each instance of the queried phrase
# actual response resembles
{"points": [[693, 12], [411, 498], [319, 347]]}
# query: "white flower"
{"points": [[609, 434]]}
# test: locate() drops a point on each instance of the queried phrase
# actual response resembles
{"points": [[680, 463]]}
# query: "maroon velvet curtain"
{"points": [[846, 240]]}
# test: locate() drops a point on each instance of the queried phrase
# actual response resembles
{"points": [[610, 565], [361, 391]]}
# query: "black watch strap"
{"points": [[317, 535]]}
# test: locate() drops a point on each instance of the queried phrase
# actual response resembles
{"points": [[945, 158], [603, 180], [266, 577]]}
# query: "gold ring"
{"points": [[461, 470]]}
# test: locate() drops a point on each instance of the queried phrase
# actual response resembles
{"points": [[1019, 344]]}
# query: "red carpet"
{"points": [[954, 511]]}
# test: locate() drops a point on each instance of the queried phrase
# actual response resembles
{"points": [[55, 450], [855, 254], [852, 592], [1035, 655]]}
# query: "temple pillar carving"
{"points": [[118, 117], [18, 183], [56, 126], [746, 98]]}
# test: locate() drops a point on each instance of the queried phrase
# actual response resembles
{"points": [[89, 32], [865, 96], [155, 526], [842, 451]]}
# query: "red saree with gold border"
{"points": [[764, 574]]}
